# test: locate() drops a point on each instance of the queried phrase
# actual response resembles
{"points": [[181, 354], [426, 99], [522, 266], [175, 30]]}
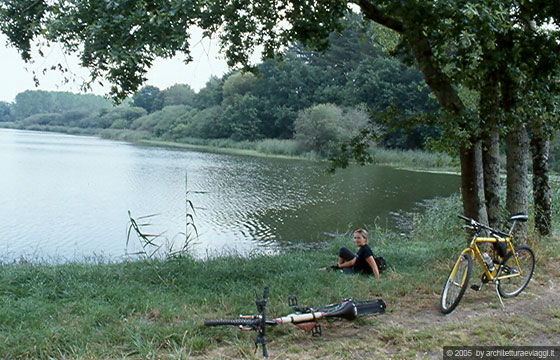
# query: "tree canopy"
{"points": [[490, 64], [247, 106]]}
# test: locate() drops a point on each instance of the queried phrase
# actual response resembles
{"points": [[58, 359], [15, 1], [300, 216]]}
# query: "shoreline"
{"points": [[156, 309], [449, 170]]}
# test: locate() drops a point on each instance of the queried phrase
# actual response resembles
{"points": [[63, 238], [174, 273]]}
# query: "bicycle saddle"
{"points": [[519, 217]]}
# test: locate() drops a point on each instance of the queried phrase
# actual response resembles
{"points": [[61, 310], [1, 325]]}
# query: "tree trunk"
{"points": [[491, 170], [517, 150], [470, 154], [489, 103], [540, 148], [472, 188], [517, 143]]}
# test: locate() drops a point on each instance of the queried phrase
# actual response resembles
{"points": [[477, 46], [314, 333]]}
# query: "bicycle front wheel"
{"points": [[234, 322], [515, 275], [456, 284]]}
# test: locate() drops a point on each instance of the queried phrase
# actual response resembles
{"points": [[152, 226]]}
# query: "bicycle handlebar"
{"points": [[478, 225]]}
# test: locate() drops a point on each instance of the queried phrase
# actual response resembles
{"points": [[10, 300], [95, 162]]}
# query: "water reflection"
{"points": [[67, 196]]}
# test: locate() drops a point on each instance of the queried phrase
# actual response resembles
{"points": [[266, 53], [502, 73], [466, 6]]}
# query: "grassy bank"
{"points": [[413, 159], [155, 309]]}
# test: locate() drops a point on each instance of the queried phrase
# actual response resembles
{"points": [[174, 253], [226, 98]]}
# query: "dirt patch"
{"points": [[420, 331]]}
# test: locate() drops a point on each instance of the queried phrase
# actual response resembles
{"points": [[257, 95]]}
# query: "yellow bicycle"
{"points": [[510, 270]]}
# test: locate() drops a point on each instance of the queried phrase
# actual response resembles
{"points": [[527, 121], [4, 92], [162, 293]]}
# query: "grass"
{"points": [[411, 159], [155, 309]]}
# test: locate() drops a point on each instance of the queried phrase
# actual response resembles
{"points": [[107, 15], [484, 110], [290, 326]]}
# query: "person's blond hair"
{"points": [[362, 232]]}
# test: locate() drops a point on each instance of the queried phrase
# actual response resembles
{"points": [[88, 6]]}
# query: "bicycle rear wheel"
{"points": [[456, 284], [516, 277]]}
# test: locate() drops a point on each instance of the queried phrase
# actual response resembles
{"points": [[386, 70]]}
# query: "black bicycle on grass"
{"points": [[305, 318]]}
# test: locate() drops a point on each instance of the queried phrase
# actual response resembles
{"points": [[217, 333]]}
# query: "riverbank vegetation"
{"points": [[307, 105], [155, 309], [495, 78]]}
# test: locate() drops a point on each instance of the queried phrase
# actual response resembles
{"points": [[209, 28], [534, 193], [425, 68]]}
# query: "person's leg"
{"points": [[345, 255]]}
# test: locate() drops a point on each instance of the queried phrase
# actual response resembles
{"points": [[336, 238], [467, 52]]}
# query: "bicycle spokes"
{"points": [[517, 270], [456, 284], [510, 277]]}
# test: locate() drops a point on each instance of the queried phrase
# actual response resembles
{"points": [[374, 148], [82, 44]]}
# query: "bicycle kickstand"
{"points": [[497, 282]]}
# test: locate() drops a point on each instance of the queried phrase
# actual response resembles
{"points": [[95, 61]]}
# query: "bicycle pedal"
{"points": [[316, 331], [476, 287]]}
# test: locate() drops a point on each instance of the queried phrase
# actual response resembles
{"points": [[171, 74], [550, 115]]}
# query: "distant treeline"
{"points": [[315, 99]]}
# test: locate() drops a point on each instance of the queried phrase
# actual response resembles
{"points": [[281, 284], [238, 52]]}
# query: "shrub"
{"points": [[161, 121], [321, 128], [277, 146]]}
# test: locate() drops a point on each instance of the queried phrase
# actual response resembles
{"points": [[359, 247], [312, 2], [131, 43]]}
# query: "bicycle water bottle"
{"points": [[488, 261]]}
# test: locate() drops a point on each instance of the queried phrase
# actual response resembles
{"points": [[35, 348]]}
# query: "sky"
{"points": [[16, 76]]}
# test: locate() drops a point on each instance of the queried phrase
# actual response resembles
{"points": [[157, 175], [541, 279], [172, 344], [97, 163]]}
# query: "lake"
{"points": [[66, 198]]}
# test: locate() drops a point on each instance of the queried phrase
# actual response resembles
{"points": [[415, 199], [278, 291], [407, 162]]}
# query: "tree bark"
{"points": [[540, 148], [470, 153], [489, 103], [472, 183], [517, 142], [517, 183]]}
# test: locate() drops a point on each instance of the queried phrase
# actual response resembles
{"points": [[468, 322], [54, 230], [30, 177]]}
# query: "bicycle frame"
{"points": [[303, 317], [507, 264], [305, 321], [474, 251], [347, 309]]}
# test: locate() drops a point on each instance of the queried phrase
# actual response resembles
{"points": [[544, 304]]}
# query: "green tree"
{"points": [[178, 94], [210, 95], [31, 102], [121, 117], [448, 41], [208, 124], [322, 128], [237, 85], [145, 97], [5, 112], [162, 122], [241, 118]]}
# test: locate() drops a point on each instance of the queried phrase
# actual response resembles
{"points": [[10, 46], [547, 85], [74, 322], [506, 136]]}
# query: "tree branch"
{"points": [[435, 78], [373, 13]]}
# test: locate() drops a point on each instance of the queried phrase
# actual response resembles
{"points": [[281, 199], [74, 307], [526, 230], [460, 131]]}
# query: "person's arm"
{"points": [[348, 263], [371, 261]]}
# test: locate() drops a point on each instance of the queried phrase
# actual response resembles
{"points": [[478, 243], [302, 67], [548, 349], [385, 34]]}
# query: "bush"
{"points": [[242, 118], [321, 128], [119, 117], [207, 124], [277, 147], [161, 121], [42, 119]]}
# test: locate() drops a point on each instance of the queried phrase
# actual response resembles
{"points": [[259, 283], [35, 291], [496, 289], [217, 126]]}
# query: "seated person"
{"points": [[362, 262]]}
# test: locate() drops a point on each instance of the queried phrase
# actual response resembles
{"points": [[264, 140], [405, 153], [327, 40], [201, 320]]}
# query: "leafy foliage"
{"points": [[30, 103], [323, 127], [145, 97], [353, 73], [5, 112], [178, 94]]}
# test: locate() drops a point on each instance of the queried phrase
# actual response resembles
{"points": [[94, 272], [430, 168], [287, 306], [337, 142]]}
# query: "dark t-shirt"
{"points": [[361, 264]]}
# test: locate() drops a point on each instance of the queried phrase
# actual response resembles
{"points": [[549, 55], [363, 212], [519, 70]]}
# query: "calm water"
{"points": [[66, 197]]}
